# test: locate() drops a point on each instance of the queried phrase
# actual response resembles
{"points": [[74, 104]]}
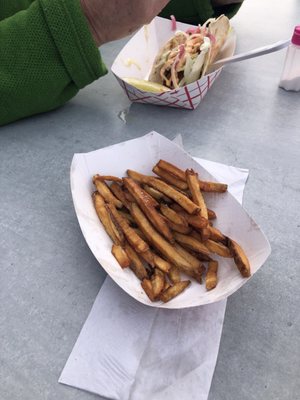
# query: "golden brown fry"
{"points": [[167, 285], [128, 217], [120, 255], [110, 178], [158, 282], [156, 194], [174, 291], [128, 197], [169, 178], [193, 184], [148, 256], [217, 235], [140, 178], [211, 214], [116, 236], [193, 260], [136, 264], [164, 247], [140, 233], [147, 286], [136, 241], [118, 192], [211, 275], [191, 243], [180, 174], [239, 257], [172, 215], [105, 192], [194, 220], [162, 264], [148, 204], [174, 194], [218, 248], [174, 274], [179, 228]]}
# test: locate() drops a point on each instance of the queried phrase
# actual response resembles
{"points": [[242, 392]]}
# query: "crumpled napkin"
{"points": [[129, 351]]}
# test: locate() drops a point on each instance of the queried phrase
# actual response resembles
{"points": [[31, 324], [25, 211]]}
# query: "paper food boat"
{"points": [[136, 58], [141, 154]]}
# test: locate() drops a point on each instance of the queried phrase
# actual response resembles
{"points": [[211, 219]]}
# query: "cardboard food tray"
{"points": [[141, 154], [136, 58]]}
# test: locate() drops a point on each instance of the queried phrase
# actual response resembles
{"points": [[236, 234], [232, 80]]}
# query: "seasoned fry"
{"points": [[118, 192], [174, 274], [172, 215], [136, 241], [191, 243], [158, 282], [136, 264], [164, 247], [120, 255], [169, 178], [156, 194], [174, 194], [147, 286], [162, 264], [211, 275], [110, 178], [148, 204], [218, 248], [180, 174], [105, 192], [116, 236], [174, 291], [239, 257]]}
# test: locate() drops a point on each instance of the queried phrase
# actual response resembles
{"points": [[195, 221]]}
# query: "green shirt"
{"points": [[47, 53]]}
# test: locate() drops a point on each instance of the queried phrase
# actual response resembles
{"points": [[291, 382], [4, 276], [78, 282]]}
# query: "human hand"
{"points": [[114, 19]]}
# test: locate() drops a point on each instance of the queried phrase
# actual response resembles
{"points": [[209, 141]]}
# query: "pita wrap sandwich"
{"points": [[186, 57]]}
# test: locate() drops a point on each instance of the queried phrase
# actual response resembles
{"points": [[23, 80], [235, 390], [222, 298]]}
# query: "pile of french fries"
{"points": [[163, 231]]}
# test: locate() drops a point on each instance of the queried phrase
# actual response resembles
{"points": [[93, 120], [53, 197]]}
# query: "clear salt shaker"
{"points": [[290, 78]]}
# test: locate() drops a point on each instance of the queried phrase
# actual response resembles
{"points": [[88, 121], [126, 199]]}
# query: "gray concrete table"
{"points": [[49, 278]]}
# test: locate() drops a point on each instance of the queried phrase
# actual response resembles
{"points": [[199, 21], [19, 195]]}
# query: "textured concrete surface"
{"points": [[49, 278]]}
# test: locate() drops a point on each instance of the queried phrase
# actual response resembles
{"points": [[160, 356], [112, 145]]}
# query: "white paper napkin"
{"points": [[129, 351]]}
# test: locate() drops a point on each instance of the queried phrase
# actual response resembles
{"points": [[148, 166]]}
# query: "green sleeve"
{"points": [[196, 11], [11, 7], [47, 54]]}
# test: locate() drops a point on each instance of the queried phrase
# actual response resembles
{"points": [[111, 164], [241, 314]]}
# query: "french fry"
{"points": [[129, 197], [180, 174], [136, 241], [148, 256], [174, 291], [211, 279], [148, 204], [174, 194], [164, 247], [191, 243], [128, 217], [193, 260], [147, 286], [172, 215], [116, 236], [239, 257], [218, 248], [156, 194], [211, 214], [105, 192], [217, 235], [118, 192], [162, 264], [158, 282], [120, 255], [179, 228], [174, 274], [169, 178], [136, 264], [110, 178], [194, 220], [140, 178], [167, 285]]}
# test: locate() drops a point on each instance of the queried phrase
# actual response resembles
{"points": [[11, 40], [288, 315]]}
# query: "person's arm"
{"points": [[11, 7], [198, 11], [47, 53]]}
